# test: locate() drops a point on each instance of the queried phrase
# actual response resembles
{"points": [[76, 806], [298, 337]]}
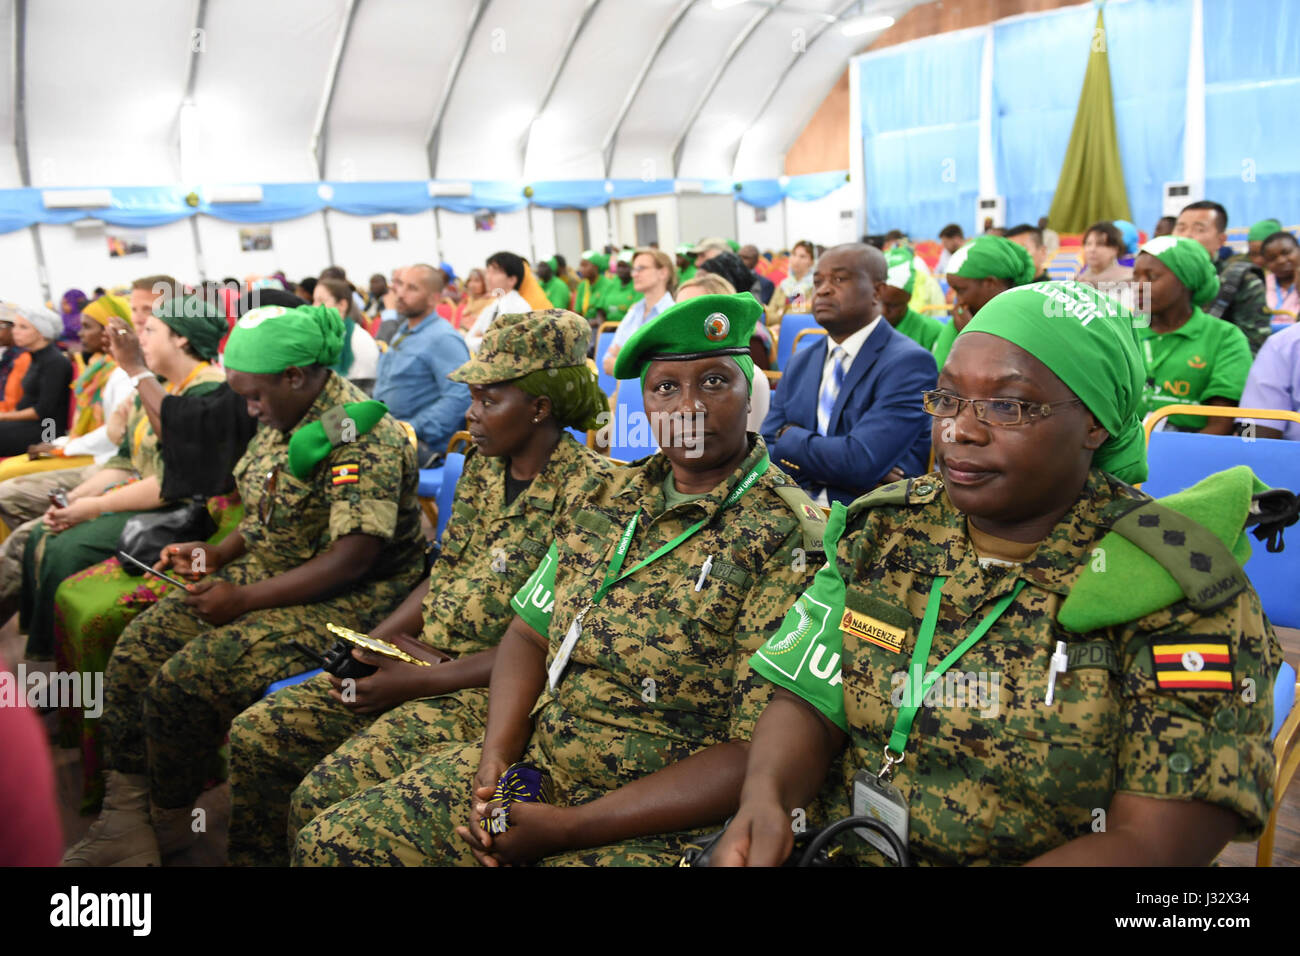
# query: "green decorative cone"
{"points": [[1091, 187]]}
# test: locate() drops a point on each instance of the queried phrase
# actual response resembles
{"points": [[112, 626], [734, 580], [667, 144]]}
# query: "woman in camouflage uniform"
{"points": [[624, 675], [1113, 669], [331, 532], [529, 381]]}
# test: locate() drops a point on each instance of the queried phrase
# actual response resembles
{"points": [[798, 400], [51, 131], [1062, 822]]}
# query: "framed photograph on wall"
{"points": [[760, 215], [126, 242], [484, 221], [383, 232], [255, 239]]}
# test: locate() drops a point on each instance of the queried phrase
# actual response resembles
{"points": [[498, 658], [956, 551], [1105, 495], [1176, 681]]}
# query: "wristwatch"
{"points": [[135, 379]]}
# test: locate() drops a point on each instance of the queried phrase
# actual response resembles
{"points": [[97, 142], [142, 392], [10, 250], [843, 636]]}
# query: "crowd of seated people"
{"points": [[576, 665]]}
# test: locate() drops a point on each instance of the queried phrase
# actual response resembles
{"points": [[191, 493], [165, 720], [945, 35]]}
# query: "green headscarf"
{"points": [[597, 259], [1189, 262], [902, 270], [1263, 229], [197, 320], [271, 339], [1087, 339], [574, 391], [992, 257]]}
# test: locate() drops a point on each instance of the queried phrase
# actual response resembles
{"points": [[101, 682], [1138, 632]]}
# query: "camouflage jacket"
{"points": [[992, 773], [365, 486], [662, 669], [1248, 309], [490, 548]]}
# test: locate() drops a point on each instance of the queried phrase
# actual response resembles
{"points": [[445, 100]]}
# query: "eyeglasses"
{"points": [[643, 268], [991, 411], [266, 505]]}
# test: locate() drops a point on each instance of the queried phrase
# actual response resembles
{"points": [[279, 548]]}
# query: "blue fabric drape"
{"points": [[920, 132], [1252, 86]]}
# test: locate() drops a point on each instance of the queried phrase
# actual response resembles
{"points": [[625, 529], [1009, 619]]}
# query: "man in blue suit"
{"points": [[848, 410]]}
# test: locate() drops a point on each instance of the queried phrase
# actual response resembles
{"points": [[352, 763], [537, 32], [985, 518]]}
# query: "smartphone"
{"points": [[148, 570], [59, 499]]}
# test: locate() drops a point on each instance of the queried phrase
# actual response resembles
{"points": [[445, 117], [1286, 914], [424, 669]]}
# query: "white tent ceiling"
{"points": [[556, 90]]}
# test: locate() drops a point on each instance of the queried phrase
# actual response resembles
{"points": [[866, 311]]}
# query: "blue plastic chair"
{"points": [[791, 325], [290, 681], [630, 437], [453, 465], [430, 482], [608, 383], [1283, 698], [1277, 327], [1178, 460], [807, 339]]}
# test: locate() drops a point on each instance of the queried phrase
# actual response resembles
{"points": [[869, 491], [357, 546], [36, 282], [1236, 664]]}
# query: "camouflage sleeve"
{"points": [[1249, 311], [535, 601], [1198, 709], [363, 481], [809, 633]]}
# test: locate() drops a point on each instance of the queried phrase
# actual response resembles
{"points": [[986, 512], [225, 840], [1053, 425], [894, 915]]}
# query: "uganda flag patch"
{"points": [[1184, 663], [346, 474]]}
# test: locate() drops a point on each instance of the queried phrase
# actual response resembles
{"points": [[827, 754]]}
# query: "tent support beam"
{"points": [[192, 68], [431, 141], [318, 137], [607, 146], [569, 44], [20, 131], [776, 86], [680, 142]]}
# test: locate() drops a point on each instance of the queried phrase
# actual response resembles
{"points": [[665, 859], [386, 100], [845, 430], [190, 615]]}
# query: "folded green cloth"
{"points": [[313, 442], [1155, 556]]}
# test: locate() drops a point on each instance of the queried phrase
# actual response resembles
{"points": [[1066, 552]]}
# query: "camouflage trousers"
{"points": [[411, 820], [298, 752], [175, 682], [23, 501]]}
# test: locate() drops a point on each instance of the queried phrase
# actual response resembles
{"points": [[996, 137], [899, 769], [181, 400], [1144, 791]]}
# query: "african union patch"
{"points": [[346, 474], [1187, 663], [869, 629], [716, 327]]}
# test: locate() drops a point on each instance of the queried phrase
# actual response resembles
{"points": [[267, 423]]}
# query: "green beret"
{"points": [[269, 340], [696, 328], [521, 343], [197, 320], [1263, 229]]}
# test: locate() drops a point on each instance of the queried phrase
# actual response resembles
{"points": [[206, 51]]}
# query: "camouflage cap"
{"points": [[526, 342]]}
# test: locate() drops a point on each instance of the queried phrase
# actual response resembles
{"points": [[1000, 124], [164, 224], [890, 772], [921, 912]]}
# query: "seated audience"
{"points": [[620, 293], [951, 238], [1190, 358], [73, 301], [1274, 382], [474, 301], [640, 719], [1255, 239], [976, 273], [1102, 247], [728, 266], [763, 286], [41, 413], [795, 291], [894, 295], [846, 412], [306, 747], [14, 361], [412, 375], [685, 262], [1031, 237], [1004, 540], [655, 279], [359, 359], [1164, 226], [331, 533], [1242, 300], [557, 291], [1281, 254], [506, 274]]}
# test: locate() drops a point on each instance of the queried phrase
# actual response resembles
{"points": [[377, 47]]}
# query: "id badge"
{"points": [[883, 802], [561, 661]]}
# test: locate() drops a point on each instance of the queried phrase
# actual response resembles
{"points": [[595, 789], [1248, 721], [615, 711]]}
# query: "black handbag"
{"points": [[810, 849], [145, 535]]}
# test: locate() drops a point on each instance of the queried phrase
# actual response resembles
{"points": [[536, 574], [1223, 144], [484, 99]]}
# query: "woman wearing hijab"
{"points": [[622, 675], [1117, 696], [73, 301], [978, 271], [359, 358], [42, 412], [1190, 358], [331, 533], [895, 298], [179, 342], [530, 382]]}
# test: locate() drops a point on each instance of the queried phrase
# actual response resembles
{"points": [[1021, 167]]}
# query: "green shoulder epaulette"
{"points": [[811, 520], [312, 443], [905, 491], [1188, 546]]}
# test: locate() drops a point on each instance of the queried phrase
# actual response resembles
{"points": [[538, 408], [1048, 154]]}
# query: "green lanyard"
{"points": [[907, 713], [612, 576]]}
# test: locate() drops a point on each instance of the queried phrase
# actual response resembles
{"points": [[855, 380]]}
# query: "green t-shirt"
{"points": [[685, 275], [921, 329], [1206, 358], [617, 299], [558, 292], [943, 343]]}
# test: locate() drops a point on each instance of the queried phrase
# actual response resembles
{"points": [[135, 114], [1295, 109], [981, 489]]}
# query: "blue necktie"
{"points": [[830, 389]]}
